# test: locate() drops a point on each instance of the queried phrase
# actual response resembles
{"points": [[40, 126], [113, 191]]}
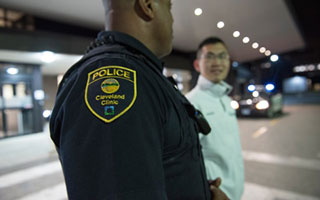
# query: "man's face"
{"points": [[164, 23], [213, 62]]}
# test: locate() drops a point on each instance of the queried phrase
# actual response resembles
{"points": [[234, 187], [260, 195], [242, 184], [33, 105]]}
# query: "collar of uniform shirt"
{"points": [[130, 41]]}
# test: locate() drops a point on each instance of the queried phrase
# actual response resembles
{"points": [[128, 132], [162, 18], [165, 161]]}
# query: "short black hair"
{"points": [[209, 40]]}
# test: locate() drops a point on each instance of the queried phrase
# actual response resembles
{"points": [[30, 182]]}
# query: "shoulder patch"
{"points": [[110, 92]]}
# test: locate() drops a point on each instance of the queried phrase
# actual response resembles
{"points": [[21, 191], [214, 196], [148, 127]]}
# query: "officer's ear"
{"points": [[145, 9], [196, 65]]}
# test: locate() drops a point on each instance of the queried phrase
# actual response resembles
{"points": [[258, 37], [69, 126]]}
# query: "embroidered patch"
{"points": [[110, 92]]}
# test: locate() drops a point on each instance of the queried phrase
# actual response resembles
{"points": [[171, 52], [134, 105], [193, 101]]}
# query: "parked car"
{"points": [[259, 101]]}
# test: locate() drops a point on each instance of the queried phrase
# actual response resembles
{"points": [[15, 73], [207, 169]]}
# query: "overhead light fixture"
{"points": [[198, 11], [274, 58], [246, 40], [262, 49], [255, 45], [220, 24], [267, 53], [236, 34], [48, 56], [12, 71]]}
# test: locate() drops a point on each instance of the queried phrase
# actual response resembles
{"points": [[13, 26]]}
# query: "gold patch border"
{"points": [[127, 108]]}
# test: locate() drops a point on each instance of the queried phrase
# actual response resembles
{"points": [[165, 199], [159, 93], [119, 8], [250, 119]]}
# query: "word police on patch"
{"points": [[110, 92]]}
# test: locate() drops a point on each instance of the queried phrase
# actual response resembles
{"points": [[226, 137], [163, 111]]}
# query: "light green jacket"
{"points": [[221, 147]]}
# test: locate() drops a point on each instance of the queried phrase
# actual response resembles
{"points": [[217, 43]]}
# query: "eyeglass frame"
{"points": [[223, 56]]}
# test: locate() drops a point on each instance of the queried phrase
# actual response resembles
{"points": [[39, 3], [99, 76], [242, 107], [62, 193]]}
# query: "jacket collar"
{"points": [[217, 89]]}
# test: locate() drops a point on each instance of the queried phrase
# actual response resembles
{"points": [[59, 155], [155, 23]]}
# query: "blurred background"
{"points": [[275, 73]]}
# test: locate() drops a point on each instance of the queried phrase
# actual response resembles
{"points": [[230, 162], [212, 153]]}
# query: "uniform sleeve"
{"points": [[110, 142]]}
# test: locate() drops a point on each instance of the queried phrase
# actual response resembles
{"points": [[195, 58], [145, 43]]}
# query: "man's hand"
{"points": [[217, 193]]}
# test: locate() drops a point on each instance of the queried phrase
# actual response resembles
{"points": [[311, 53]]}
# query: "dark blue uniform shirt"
{"points": [[122, 130]]}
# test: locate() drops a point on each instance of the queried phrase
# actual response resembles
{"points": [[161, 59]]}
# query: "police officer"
{"points": [[121, 128]]}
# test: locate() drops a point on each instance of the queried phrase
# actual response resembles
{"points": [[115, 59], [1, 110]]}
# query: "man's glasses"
{"points": [[221, 56]]}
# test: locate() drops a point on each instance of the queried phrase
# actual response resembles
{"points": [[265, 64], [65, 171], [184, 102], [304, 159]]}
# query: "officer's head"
{"points": [[213, 59], [149, 21]]}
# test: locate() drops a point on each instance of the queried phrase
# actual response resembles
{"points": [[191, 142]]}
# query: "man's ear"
{"points": [[196, 65], [146, 9]]}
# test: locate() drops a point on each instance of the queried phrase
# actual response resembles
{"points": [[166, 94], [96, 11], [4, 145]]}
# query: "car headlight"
{"points": [[234, 104], [261, 105]]}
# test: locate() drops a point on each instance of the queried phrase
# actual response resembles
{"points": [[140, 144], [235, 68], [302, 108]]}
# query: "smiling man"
{"points": [[221, 148]]}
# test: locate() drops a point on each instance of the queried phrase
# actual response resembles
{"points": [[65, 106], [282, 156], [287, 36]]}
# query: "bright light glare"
{"points": [[236, 34], [12, 70], [311, 67], [234, 104], [267, 53], [269, 87], [38, 94], [255, 94], [262, 105], [251, 88], [249, 101], [48, 56], [198, 11], [220, 24], [46, 113], [180, 86], [235, 64], [246, 40], [274, 58], [262, 49], [255, 45]]}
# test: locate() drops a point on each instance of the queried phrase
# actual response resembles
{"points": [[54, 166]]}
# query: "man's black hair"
{"points": [[209, 40]]}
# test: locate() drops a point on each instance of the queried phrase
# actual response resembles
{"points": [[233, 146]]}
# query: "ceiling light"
{"points": [[236, 34], [198, 11], [12, 71], [262, 49], [255, 45], [220, 24], [274, 58], [267, 53], [48, 56], [246, 40]]}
